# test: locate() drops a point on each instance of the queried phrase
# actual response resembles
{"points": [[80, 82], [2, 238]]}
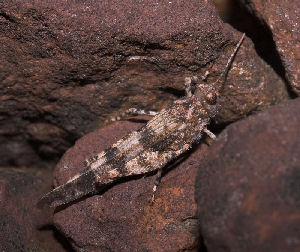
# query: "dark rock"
{"points": [[67, 66], [17, 152], [123, 217], [24, 227], [248, 192], [282, 18]]}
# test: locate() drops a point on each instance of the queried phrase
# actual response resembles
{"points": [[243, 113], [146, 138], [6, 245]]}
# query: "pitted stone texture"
{"points": [[24, 227], [283, 19], [123, 217], [248, 186], [68, 65]]}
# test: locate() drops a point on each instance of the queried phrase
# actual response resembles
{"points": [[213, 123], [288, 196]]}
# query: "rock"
{"points": [[23, 226], [68, 66], [247, 188], [123, 217], [251, 86], [17, 152], [282, 19]]}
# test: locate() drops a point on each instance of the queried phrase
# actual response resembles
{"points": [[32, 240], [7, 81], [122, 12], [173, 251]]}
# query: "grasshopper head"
{"points": [[207, 96]]}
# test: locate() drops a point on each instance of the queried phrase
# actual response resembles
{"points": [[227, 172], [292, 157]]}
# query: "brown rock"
{"points": [[282, 18], [248, 192], [23, 227], [123, 218], [66, 66], [251, 86]]}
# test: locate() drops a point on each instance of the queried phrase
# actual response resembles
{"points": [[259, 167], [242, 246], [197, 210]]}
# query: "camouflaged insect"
{"points": [[170, 133]]}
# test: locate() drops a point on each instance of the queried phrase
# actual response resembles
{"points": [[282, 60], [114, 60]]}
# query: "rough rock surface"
{"points": [[248, 186], [283, 19], [24, 227], [68, 65], [123, 218]]}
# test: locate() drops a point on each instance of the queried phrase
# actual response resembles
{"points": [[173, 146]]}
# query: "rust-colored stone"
{"points": [[24, 227], [248, 192], [67, 66], [283, 19], [123, 217]]}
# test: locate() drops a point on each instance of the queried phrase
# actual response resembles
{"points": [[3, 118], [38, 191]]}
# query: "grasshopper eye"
{"points": [[211, 98]]}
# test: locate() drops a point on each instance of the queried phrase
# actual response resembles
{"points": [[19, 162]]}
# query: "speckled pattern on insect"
{"points": [[164, 138]]}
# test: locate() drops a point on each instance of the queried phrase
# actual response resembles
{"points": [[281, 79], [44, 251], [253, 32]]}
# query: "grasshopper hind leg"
{"points": [[132, 112]]}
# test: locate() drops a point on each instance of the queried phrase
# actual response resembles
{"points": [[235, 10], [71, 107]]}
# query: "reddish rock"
{"points": [[123, 218], [24, 227], [247, 189], [68, 65], [282, 19]]}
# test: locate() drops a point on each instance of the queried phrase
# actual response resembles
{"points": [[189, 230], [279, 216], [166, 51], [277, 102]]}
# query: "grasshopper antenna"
{"points": [[230, 60]]}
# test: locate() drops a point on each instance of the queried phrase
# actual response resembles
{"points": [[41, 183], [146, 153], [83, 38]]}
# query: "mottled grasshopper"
{"points": [[170, 133]]}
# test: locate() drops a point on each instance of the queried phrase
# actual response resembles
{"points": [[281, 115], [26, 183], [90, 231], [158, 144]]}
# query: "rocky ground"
{"points": [[68, 66]]}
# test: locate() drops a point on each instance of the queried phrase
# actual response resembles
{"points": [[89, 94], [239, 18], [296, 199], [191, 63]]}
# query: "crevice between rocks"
{"points": [[243, 18], [62, 240], [58, 236], [173, 91], [7, 17]]}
